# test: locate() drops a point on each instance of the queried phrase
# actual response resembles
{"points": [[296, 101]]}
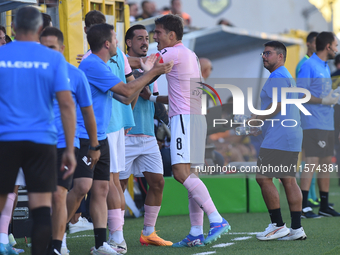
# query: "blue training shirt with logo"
{"points": [[276, 135], [101, 79], [81, 94], [30, 76], [315, 76]]}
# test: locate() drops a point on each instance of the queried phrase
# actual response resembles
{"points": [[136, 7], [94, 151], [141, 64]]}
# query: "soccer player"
{"points": [[142, 152], [318, 128], [53, 38], [280, 148], [103, 44], [28, 135], [188, 129]]}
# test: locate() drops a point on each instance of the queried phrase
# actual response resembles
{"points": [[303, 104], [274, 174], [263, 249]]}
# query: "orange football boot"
{"points": [[153, 239]]}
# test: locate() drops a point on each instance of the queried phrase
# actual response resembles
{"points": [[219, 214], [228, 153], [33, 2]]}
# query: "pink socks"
{"points": [[196, 217], [114, 220], [150, 218], [200, 195], [7, 213]]}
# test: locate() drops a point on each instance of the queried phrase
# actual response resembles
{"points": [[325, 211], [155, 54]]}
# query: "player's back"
{"points": [[30, 75], [81, 94], [184, 97]]}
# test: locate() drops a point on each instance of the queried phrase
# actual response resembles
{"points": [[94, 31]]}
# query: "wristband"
{"points": [[153, 98], [97, 148]]}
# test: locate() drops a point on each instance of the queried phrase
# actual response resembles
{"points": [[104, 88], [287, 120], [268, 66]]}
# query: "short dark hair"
{"points": [[94, 17], [131, 33], [323, 39], [279, 47], [311, 36], [173, 23], [28, 19], [46, 20], [98, 35], [53, 31], [3, 29], [8, 39]]}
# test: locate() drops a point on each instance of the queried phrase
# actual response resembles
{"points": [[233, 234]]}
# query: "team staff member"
{"points": [[54, 39], [122, 118], [318, 128], [311, 48], [280, 147], [6, 214], [103, 44], [27, 132]]}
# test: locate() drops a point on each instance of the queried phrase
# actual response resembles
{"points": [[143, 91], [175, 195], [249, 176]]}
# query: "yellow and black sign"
{"points": [[214, 7]]}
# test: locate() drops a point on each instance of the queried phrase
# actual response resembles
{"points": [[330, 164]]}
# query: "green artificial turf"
{"points": [[323, 235]]}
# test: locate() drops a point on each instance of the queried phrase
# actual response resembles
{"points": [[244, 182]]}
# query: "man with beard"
{"points": [[318, 128], [142, 153], [280, 148], [103, 44]]}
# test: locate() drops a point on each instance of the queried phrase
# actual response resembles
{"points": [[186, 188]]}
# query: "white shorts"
{"points": [[117, 150], [142, 154], [188, 135], [20, 181]]}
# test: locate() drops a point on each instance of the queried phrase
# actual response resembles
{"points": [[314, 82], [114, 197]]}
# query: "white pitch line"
{"points": [[221, 245], [241, 238], [79, 236], [243, 233], [205, 253]]}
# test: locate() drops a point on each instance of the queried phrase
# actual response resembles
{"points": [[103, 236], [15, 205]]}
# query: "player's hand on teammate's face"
{"points": [[145, 93], [163, 68], [93, 157], [79, 58], [68, 163], [149, 63]]}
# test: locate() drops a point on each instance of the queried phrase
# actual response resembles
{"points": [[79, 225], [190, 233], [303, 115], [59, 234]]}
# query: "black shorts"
{"points": [[277, 163], [101, 170], [38, 162], [318, 143], [61, 182]]}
